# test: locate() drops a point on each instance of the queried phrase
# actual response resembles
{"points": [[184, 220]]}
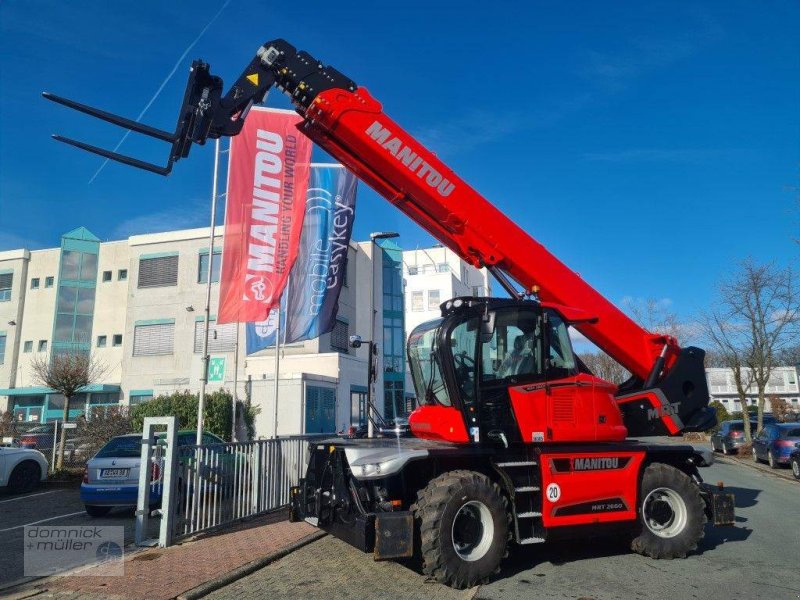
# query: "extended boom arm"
{"points": [[349, 123]]}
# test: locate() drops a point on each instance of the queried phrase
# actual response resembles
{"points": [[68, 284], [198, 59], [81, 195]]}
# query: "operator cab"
{"points": [[479, 364]]}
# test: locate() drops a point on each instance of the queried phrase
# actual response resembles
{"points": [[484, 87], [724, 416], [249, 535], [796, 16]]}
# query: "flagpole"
{"points": [[201, 404], [277, 366]]}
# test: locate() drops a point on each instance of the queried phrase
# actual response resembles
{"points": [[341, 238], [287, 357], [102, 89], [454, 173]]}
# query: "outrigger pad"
{"points": [[722, 507], [394, 535]]}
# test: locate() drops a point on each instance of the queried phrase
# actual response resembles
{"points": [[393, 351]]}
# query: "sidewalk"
{"points": [[165, 573]]}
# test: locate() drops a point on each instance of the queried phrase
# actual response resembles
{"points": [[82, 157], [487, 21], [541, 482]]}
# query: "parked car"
{"points": [[794, 461], [111, 477], [730, 436], [775, 443], [397, 427], [21, 469], [38, 438]]}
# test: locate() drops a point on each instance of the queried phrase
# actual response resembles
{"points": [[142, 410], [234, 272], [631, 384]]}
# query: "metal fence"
{"points": [[45, 438], [212, 485]]}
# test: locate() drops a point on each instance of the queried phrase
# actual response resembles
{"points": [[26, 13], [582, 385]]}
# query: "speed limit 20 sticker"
{"points": [[553, 492]]}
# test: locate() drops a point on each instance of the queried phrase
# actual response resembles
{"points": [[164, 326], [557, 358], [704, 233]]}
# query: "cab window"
{"points": [[561, 360], [425, 367], [514, 352]]}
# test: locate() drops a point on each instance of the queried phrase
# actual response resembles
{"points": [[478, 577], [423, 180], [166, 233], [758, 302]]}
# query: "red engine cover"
{"points": [[574, 409]]}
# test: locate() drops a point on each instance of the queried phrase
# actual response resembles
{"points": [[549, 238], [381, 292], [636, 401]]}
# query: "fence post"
{"points": [[145, 474], [55, 442], [169, 485]]}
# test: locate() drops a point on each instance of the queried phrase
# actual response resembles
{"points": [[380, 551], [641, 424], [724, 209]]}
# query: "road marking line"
{"points": [[29, 496], [80, 512]]}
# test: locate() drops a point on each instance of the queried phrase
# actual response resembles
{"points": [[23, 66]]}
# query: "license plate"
{"points": [[113, 473]]}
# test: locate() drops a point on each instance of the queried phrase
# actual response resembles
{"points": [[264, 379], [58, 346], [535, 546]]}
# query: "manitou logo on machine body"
{"points": [[410, 159], [595, 464]]}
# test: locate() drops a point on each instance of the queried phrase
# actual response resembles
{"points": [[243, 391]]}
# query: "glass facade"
{"points": [[77, 284], [393, 332]]}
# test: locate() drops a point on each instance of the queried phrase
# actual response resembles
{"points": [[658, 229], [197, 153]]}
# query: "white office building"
{"points": [[138, 306]]}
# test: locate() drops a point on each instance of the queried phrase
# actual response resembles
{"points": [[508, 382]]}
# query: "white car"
{"points": [[21, 469]]}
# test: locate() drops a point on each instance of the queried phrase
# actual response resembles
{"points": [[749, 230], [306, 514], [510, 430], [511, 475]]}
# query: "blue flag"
{"points": [[311, 300]]}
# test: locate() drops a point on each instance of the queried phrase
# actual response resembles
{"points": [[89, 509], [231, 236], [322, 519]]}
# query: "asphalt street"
{"points": [[45, 507], [755, 559]]}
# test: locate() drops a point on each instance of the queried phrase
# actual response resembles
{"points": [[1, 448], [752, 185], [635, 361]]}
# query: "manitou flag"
{"points": [[311, 300], [268, 171]]}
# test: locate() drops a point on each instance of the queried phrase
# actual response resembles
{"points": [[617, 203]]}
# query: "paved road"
{"points": [[45, 507], [756, 559]]}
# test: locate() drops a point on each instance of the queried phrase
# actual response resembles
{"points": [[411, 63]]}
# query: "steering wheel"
{"points": [[464, 361]]}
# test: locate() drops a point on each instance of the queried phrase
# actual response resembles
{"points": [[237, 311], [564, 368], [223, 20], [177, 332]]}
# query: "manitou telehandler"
{"points": [[514, 440]]}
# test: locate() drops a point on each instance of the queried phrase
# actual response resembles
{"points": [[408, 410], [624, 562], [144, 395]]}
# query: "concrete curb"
{"points": [[209, 586], [750, 464]]}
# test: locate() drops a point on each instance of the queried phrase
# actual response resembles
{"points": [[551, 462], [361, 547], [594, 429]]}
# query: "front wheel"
{"points": [[671, 513], [796, 468], [755, 456], [463, 524], [24, 478]]}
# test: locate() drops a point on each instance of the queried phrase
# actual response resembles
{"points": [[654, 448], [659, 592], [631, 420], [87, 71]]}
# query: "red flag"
{"points": [[268, 168]]}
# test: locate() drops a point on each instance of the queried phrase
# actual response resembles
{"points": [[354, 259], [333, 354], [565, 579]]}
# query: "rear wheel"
{"points": [[796, 468], [725, 450], [24, 478], [755, 456], [463, 525], [97, 511], [773, 464], [671, 513]]}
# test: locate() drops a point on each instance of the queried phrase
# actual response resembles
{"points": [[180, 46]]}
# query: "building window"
{"points": [[48, 281], [28, 346], [221, 338], [6, 279], [117, 340], [202, 267], [433, 300], [477, 291], [122, 275], [139, 396], [443, 268], [358, 407], [35, 283], [78, 266], [393, 398], [2, 347], [344, 273], [102, 340], [154, 339], [340, 336], [417, 301], [42, 346], [158, 271], [413, 270], [75, 307], [106, 276]]}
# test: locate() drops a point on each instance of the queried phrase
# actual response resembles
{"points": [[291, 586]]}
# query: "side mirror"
{"points": [[355, 341]]}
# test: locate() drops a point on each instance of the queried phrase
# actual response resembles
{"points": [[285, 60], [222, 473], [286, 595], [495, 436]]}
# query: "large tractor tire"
{"points": [[463, 524], [671, 513]]}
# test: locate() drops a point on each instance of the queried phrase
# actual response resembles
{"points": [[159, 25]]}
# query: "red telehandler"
{"points": [[514, 440]]}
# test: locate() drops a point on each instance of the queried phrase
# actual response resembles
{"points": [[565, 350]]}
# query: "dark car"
{"points": [[39, 438], [775, 443], [794, 461], [730, 436]]}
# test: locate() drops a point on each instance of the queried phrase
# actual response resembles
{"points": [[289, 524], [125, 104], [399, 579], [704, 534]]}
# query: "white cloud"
{"points": [[195, 214]]}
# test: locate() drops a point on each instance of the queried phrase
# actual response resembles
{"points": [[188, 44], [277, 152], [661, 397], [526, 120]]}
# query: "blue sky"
{"points": [[649, 145]]}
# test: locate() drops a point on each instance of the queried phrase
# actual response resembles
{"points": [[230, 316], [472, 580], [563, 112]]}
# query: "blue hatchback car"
{"points": [[775, 443], [111, 478]]}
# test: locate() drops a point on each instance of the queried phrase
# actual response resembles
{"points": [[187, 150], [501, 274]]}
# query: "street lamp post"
{"points": [[374, 236]]}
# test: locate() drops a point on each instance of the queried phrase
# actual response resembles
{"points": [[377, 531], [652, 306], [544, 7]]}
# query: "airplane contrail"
{"points": [[163, 84]]}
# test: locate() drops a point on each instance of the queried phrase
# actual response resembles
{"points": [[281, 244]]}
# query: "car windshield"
{"points": [[129, 446], [736, 426], [790, 432], [40, 429]]}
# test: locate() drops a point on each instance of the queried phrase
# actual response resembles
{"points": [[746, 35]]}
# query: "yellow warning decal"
{"points": [[253, 79]]}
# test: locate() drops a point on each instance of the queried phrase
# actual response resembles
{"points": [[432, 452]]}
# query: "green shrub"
{"points": [[722, 415], [217, 413]]}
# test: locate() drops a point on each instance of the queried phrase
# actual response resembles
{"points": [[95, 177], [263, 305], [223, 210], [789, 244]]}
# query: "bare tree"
{"points": [[757, 318], [655, 316], [66, 374], [605, 367]]}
